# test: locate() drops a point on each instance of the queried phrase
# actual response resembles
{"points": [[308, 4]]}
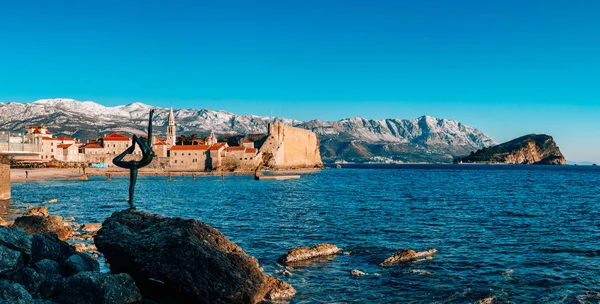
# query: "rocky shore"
{"points": [[152, 259]]}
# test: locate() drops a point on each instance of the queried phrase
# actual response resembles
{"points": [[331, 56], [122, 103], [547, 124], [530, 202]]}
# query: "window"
{"points": [[175, 161], [250, 158], [240, 158]]}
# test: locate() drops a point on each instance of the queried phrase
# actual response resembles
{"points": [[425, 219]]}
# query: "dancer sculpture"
{"points": [[134, 165]]}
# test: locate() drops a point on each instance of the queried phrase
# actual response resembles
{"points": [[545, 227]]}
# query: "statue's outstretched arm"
{"points": [[150, 128]]}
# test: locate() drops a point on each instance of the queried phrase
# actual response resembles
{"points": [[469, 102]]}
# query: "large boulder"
{"points": [[15, 293], [16, 239], [80, 262], [98, 288], [11, 261], [39, 224], [47, 267], [29, 279], [50, 247], [187, 260]]}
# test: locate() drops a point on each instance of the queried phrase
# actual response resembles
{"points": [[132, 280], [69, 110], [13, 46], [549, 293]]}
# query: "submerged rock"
{"points": [[490, 300], [37, 224], [178, 260], [306, 253], [407, 255]]}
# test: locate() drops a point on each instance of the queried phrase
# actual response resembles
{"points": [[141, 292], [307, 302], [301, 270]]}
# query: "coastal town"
{"points": [[40, 148]]}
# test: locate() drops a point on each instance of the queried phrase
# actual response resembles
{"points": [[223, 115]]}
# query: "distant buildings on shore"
{"points": [[201, 155], [284, 147]]}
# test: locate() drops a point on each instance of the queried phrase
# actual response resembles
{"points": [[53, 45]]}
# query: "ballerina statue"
{"points": [[133, 165]]}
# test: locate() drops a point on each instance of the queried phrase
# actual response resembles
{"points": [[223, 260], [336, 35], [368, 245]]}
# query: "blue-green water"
{"points": [[522, 233]]}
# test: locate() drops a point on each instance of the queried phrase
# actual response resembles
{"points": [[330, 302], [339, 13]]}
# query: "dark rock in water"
{"points": [[98, 288], [29, 279], [80, 262], [47, 267], [11, 261], [16, 239], [407, 255], [306, 253], [50, 247], [186, 260], [36, 224], [529, 149], [15, 293]]}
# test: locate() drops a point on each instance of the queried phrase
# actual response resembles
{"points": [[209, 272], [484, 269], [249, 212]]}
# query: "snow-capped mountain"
{"points": [[424, 139]]}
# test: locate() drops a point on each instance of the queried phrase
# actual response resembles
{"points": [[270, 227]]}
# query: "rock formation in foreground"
{"points": [[538, 149], [175, 260], [43, 269], [305, 253]]}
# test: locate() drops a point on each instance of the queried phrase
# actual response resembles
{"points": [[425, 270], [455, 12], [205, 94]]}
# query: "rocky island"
{"points": [[538, 149]]}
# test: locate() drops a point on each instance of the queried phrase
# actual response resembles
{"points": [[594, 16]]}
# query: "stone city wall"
{"points": [[288, 147]]}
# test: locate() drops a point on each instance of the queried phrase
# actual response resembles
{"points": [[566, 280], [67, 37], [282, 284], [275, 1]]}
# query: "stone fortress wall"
{"points": [[4, 178], [287, 147]]}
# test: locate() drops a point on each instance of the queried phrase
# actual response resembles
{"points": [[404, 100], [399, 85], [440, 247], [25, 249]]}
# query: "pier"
{"points": [[4, 178], [25, 152]]}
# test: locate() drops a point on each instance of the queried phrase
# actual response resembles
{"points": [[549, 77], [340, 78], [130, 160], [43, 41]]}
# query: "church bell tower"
{"points": [[171, 137]]}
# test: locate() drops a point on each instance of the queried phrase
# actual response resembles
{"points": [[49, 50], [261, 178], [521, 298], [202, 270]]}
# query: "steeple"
{"points": [[171, 117], [171, 128]]}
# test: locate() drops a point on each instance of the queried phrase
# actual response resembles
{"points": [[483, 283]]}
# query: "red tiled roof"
{"points": [[235, 148], [36, 130], [47, 138], [189, 147], [116, 137], [251, 150], [217, 146], [248, 141], [91, 146], [63, 146]]}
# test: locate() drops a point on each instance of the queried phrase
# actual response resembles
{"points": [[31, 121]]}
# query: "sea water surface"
{"points": [[526, 234]]}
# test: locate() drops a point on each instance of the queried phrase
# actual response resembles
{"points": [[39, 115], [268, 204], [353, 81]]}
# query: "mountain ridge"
{"points": [[424, 139]]}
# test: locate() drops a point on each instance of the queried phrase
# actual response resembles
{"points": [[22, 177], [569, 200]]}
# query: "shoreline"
{"points": [[18, 175]]}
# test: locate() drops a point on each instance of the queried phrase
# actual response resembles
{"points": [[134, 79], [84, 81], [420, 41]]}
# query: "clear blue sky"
{"points": [[507, 67]]}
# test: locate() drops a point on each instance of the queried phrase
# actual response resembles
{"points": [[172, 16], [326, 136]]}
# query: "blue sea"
{"points": [[525, 234]]}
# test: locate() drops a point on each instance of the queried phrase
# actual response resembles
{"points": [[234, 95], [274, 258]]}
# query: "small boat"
{"points": [[277, 177]]}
